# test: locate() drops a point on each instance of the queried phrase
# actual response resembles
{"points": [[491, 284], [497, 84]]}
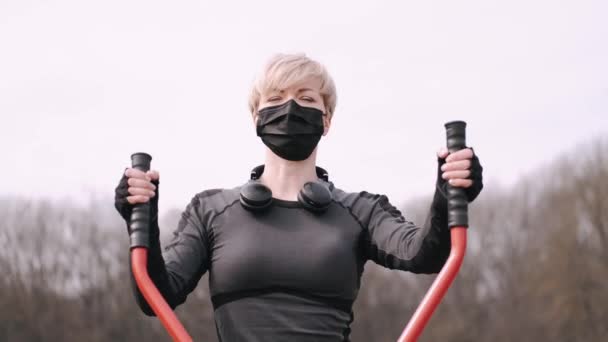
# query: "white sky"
{"points": [[84, 84]]}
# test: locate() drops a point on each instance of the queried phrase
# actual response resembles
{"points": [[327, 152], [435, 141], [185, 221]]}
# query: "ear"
{"points": [[255, 117]]}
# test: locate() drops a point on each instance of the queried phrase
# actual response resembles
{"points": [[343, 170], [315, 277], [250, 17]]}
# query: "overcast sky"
{"points": [[84, 84]]}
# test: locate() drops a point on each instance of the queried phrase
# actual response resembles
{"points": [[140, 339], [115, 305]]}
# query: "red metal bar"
{"points": [[439, 288], [139, 262]]}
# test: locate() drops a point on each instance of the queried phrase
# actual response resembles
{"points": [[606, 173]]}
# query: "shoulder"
{"points": [[214, 200], [356, 199], [367, 207], [361, 204]]}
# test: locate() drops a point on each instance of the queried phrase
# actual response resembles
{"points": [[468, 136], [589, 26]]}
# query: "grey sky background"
{"points": [[84, 84]]}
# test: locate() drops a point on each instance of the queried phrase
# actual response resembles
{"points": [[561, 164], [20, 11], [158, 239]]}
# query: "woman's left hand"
{"points": [[456, 169], [462, 169]]}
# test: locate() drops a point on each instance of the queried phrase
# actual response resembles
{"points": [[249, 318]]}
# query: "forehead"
{"points": [[297, 88], [293, 84]]}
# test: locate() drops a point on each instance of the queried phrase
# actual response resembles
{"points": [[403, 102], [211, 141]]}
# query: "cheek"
{"points": [[322, 106], [261, 105]]}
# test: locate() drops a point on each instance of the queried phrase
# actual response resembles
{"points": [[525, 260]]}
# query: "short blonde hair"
{"points": [[284, 70]]}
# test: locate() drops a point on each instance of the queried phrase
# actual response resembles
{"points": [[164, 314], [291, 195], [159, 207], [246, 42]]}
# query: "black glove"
{"points": [[476, 176], [125, 208]]}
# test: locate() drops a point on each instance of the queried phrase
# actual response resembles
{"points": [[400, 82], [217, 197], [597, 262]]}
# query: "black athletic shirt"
{"points": [[288, 274]]}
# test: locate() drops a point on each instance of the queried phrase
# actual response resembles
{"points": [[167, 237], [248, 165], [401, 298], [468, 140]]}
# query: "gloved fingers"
{"points": [[138, 199], [463, 154], [154, 175], [442, 153], [459, 169], [141, 192], [141, 184], [460, 183], [135, 173], [457, 165], [458, 174]]}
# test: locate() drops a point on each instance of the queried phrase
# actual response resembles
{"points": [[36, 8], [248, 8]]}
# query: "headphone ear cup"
{"points": [[255, 196], [315, 196]]}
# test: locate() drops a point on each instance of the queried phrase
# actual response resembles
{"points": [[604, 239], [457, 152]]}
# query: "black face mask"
{"points": [[291, 131]]}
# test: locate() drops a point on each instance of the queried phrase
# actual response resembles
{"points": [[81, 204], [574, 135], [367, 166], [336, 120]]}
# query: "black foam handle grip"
{"points": [[140, 216], [457, 199]]}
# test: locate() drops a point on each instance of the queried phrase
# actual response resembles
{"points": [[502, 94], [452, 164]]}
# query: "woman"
{"points": [[286, 250]]}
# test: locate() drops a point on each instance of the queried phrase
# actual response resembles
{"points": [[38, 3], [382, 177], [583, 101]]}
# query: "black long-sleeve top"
{"points": [[287, 274]]}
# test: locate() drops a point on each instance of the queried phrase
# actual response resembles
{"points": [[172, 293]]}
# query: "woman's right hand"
{"points": [[135, 187], [141, 187]]}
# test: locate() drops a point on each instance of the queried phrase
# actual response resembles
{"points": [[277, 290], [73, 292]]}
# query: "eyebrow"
{"points": [[299, 90]]}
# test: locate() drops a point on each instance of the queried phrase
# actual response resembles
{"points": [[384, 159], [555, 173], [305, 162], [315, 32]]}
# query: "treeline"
{"points": [[536, 269]]}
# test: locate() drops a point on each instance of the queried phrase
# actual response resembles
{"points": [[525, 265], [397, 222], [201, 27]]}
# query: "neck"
{"points": [[286, 178]]}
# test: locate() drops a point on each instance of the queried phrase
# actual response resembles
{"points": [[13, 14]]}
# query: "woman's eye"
{"points": [[273, 98], [307, 99]]}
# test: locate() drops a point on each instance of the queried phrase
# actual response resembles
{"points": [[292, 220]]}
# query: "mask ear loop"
{"points": [[322, 173], [257, 172], [328, 116]]}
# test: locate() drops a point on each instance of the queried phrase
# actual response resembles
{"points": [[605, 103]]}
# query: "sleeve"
{"points": [[393, 242], [396, 243], [176, 272]]}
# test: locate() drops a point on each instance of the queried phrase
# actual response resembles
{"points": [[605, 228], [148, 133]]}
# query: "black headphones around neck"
{"points": [[314, 196]]}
